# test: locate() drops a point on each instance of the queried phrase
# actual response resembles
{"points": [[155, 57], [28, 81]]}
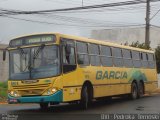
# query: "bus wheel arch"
{"points": [[90, 89], [86, 94]]}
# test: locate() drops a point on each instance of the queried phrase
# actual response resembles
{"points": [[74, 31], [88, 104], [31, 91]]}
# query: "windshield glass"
{"points": [[19, 64], [35, 62]]}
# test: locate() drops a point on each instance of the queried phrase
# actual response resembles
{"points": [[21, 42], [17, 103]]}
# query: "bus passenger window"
{"points": [[117, 57], [94, 55], [82, 53], [127, 58], [144, 60], [151, 61], [106, 56], [136, 59]]}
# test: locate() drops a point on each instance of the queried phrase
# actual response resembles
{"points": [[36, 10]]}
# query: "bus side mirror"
{"points": [[4, 55]]}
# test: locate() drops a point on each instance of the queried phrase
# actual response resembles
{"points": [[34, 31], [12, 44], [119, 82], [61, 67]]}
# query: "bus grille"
{"points": [[31, 90]]}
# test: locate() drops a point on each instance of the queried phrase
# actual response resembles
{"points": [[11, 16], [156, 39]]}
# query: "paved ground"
{"points": [[147, 104]]}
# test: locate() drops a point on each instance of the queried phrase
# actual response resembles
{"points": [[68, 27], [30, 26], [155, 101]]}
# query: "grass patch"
{"points": [[3, 85], [3, 93], [3, 90]]}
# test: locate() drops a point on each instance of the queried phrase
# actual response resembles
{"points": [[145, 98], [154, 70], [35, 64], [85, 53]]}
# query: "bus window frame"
{"points": [[117, 57], [124, 58], [61, 52], [82, 53], [142, 59], [98, 55], [151, 61], [106, 55], [137, 59]]}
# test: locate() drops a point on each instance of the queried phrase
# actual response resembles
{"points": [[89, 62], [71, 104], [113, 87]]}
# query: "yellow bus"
{"points": [[53, 68]]}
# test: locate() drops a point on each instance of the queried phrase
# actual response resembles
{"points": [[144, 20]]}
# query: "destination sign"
{"points": [[36, 39]]}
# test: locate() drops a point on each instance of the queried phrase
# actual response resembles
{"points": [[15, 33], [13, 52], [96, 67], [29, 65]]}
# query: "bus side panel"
{"points": [[106, 81], [151, 84], [72, 85], [110, 81]]}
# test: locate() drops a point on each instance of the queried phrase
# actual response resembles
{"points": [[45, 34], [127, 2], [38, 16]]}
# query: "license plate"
{"points": [[13, 100]]}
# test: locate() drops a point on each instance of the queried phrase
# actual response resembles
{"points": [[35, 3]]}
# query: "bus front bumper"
{"points": [[56, 97]]}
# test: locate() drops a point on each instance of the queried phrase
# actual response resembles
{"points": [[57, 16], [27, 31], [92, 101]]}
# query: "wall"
{"points": [[3, 64], [123, 35]]}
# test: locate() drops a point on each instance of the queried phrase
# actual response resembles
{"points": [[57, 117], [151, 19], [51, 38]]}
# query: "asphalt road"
{"points": [[145, 105]]}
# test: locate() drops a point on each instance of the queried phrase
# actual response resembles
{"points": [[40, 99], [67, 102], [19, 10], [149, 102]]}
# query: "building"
{"points": [[128, 35], [3, 64]]}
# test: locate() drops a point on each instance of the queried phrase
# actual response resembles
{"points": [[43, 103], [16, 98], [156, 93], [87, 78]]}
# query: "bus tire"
{"points": [[140, 90], [44, 106], [134, 91], [84, 98]]}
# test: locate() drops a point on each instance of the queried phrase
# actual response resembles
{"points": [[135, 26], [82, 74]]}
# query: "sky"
{"points": [[79, 23]]}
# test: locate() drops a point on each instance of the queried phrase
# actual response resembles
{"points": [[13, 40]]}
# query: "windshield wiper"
{"points": [[21, 52], [29, 66], [34, 57], [38, 51]]}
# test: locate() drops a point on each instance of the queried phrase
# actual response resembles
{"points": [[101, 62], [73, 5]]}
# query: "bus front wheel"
{"points": [[43, 106], [84, 98]]}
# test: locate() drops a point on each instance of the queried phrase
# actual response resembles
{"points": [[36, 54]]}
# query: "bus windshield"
{"points": [[34, 62]]}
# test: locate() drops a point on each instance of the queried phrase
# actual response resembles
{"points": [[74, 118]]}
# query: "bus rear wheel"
{"points": [[134, 91], [141, 90], [84, 98], [44, 106]]}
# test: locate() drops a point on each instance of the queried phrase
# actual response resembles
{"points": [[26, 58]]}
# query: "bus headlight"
{"points": [[50, 91], [14, 93]]}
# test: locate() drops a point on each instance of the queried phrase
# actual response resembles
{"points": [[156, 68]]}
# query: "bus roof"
{"points": [[89, 40], [112, 44]]}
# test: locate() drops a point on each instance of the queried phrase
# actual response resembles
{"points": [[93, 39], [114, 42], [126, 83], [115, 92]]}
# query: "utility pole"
{"points": [[147, 32], [82, 3]]}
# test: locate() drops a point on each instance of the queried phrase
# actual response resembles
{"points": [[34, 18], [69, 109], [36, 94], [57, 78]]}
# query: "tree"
{"points": [[140, 45]]}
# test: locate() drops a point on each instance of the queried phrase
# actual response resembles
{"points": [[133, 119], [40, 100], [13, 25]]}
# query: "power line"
{"points": [[97, 6], [44, 12], [106, 10], [155, 26], [155, 14], [72, 25], [131, 9], [82, 20], [126, 3], [63, 2]]}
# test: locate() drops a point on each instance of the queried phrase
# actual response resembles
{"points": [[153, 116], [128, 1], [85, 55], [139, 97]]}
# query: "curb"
{"points": [[3, 103]]}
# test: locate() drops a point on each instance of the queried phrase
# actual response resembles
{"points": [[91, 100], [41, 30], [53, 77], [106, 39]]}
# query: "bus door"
{"points": [[69, 70]]}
